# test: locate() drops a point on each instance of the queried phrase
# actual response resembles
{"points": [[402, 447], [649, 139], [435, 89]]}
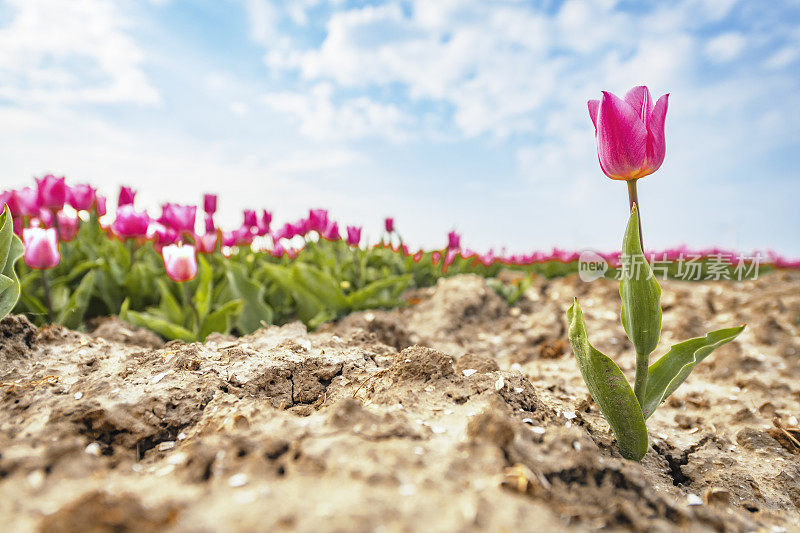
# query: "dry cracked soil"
{"points": [[455, 413]]}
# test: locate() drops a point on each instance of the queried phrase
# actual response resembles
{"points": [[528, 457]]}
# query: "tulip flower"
{"points": [[41, 248], [228, 238], [210, 203], [130, 223], [210, 226], [67, 226], [389, 225], [162, 235], [301, 227], [52, 192], [318, 219], [126, 196], [353, 235], [264, 222], [180, 262], [453, 240], [7, 198], [331, 232], [81, 197], [100, 204], [27, 200], [207, 244], [181, 218], [250, 218], [630, 133]]}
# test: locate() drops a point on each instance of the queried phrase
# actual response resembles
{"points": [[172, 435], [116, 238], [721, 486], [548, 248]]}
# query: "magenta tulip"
{"points": [[181, 218], [52, 192], [331, 232], [318, 219], [130, 223], [389, 225], [250, 218], [210, 226], [353, 235], [81, 197], [41, 248], [100, 204], [210, 203], [630, 133], [206, 244], [228, 238], [7, 198], [27, 200], [180, 262], [264, 222], [126, 196], [162, 235], [67, 226], [453, 240]]}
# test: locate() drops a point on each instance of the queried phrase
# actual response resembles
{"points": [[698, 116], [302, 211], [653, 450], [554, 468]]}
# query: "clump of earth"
{"points": [[455, 413]]}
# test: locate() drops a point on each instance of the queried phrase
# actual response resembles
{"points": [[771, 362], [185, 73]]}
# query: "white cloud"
{"points": [[725, 47], [79, 51]]}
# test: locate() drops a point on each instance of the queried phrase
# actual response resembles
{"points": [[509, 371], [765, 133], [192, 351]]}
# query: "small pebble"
{"points": [[407, 489], [468, 371], [539, 430], [238, 480], [569, 415], [36, 479], [78, 395], [166, 445], [93, 448], [694, 499], [500, 383]]}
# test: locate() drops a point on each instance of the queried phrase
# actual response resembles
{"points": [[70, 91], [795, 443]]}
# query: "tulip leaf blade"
{"points": [[609, 389], [254, 310], [11, 249], [640, 292], [221, 319], [71, 316], [666, 375]]}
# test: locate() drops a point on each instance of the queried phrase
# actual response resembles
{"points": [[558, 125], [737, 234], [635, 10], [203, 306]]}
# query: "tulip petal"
{"points": [[621, 138], [656, 140], [639, 98], [594, 105]]}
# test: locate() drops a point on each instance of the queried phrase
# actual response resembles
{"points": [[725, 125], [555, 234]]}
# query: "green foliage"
{"points": [[624, 408], [10, 251]]}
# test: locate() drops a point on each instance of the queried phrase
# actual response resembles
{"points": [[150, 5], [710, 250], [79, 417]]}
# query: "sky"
{"points": [[446, 114]]}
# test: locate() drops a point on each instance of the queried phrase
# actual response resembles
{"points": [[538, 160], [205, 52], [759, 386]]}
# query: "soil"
{"points": [[456, 413]]}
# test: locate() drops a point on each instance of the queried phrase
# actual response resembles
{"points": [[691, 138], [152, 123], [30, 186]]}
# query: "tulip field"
{"points": [[183, 277]]}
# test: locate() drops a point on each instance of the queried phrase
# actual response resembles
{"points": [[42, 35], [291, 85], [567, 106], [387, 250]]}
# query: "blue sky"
{"points": [[446, 114]]}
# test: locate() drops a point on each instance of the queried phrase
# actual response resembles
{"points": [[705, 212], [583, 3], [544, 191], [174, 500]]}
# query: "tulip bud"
{"points": [[130, 223], [7, 198], [52, 192], [264, 223], [353, 235], [210, 203], [318, 219], [630, 133], [331, 232], [41, 248], [210, 226], [389, 225], [453, 240], [100, 204], [180, 262], [81, 197], [250, 219], [206, 244], [126, 196], [181, 218]]}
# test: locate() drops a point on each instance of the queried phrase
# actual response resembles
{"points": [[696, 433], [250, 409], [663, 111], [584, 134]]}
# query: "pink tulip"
{"points": [[210, 226], [130, 223], [453, 240], [7, 198], [161, 235], [302, 227], [52, 192], [389, 225], [81, 197], [41, 248], [318, 220], [284, 232], [243, 236], [27, 200], [277, 250], [210, 203], [228, 238], [181, 218], [126, 196], [67, 226], [264, 222], [353, 235], [250, 218], [206, 244], [100, 204], [630, 133], [331, 232], [180, 262]]}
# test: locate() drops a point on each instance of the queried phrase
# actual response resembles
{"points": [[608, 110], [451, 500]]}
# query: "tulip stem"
{"points": [[47, 300], [190, 303], [56, 225], [633, 199]]}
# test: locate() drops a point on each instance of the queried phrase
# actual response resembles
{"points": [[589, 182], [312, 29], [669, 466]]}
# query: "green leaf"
{"points": [[11, 250], [666, 374], [71, 315], [202, 296], [307, 304], [609, 388], [169, 307], [221, 319], [159, 325], [640, 293], [254, 310], [322, 286], [367, 297]]}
